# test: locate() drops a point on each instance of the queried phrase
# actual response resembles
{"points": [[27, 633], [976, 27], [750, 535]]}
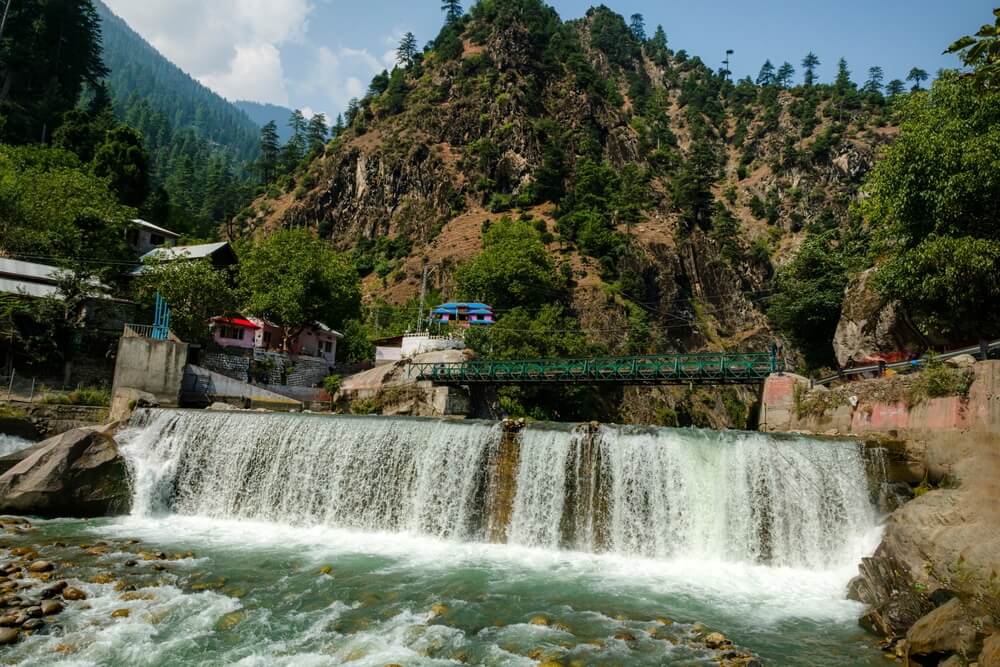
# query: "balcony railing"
{"points": [[150, 332]]}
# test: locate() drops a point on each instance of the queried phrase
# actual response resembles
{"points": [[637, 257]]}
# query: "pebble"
{"points": [[33, 611], [53, 590], [120, 613], [439, 609], [716, 640], [9, 635], [625, 636], [33, 624], [326, 569], [50, 607], [41, 566], [538, 620], [70, 593], [131, 562]]}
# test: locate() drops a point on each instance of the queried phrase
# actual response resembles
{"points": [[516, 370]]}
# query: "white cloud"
{"points": [[232, 46], [255, 73]]}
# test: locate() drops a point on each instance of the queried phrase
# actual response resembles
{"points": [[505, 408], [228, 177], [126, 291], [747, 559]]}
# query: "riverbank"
{"points": [[933, 583]]}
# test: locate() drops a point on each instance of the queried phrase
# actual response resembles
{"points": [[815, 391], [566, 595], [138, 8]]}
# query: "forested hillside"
{"points": [[201, 146], [605, 192], [262, 114]]}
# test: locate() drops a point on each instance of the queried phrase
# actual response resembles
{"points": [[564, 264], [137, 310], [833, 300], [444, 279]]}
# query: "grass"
{"points": [[89, 396], [938, 380], [12, 412], [815, 403]]}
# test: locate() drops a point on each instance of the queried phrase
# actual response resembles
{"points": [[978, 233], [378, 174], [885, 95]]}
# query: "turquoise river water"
{"points": [[329, 541]]}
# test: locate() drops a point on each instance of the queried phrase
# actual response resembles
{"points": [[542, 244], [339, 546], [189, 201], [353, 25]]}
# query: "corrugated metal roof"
{"points": [[185, 251], [38, 280], [155, 228]]}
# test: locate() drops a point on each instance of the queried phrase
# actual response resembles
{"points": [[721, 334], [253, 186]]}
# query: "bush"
{"points": [[89, 396], [365, 406], [331, 384], [939, 380]]}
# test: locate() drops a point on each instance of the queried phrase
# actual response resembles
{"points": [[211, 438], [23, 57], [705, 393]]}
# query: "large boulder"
{"points": [[79, 473], [951, 628], [871, 326], [990, 655]]}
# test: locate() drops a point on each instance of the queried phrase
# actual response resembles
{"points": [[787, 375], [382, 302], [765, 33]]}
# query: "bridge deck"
{"points": [[727, 368]]}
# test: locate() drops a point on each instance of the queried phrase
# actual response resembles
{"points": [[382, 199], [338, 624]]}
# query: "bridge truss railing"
{"points": [[718, 368]]}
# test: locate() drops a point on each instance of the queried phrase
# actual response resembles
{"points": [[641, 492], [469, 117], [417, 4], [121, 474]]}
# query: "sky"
{"points": [[318, 54]]}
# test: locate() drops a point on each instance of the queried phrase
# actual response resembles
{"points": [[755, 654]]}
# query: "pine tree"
{"points": [[917, 76], [766, 75], [638, 27], [895, 87], [785, 75], [407, 50], [338, 127], [267, 163], [660, 38], [297, 122], [657, 49], [452, 11], [809, 64], [316, 134], [843, 84], [874, 83]]}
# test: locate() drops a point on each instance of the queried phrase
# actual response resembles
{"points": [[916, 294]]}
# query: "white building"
{"points": [[144, 236]]}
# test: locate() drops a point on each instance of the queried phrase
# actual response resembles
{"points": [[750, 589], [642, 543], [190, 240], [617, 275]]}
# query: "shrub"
{"points": [[365, 406], [331, 384], [939, 380]]}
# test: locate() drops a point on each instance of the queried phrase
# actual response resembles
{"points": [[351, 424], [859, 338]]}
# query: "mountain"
{"points": [[664, 193], [201, 145], [262, 114]]}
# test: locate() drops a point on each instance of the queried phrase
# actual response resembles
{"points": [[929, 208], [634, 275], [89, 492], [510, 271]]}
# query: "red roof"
{"points": [[236, 322]]}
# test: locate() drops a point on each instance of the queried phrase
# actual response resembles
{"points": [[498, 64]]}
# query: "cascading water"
{"points": [[660, 493]]}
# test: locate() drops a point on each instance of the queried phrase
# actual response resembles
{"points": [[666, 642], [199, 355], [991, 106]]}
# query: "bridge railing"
{"points": [[644, 369]]}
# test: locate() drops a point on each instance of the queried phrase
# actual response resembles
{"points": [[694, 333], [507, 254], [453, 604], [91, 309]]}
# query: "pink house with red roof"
{"points": [[237, 332]]}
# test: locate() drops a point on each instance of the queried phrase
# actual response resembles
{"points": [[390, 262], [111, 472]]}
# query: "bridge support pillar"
{"points": [[777, 401]]}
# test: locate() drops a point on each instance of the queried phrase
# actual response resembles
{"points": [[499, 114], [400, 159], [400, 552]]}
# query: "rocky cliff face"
{"points": [[462, 140]]}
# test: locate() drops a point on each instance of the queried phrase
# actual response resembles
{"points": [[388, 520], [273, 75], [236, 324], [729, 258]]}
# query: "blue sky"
{"points": [[317, 54]]}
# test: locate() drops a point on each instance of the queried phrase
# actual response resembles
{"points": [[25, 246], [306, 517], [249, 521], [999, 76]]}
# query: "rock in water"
{"points": [[951, 628], [77, 474], [9, 635]]}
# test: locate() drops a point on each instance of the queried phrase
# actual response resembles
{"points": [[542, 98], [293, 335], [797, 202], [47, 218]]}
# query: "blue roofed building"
{"points": [[464, 314]]}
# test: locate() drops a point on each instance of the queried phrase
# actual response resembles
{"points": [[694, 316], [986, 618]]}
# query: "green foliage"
{"points": [[331, 384], [292, 279], [122, 160], [196, 292], [365, 406], [91, 396], [982, 52], [939, 380], [49, 51], [357, 345], [810, 292], [52, 209], [514, 268], [933, 208], [609, 33]]}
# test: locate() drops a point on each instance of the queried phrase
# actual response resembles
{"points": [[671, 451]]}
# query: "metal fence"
{"points": [[14, 387]]}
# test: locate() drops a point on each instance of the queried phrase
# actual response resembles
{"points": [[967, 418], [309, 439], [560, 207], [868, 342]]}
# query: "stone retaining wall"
{"points": [[44, 420]]}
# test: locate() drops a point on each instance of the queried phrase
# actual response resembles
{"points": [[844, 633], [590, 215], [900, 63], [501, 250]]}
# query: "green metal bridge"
{"points": [[714, 368]]}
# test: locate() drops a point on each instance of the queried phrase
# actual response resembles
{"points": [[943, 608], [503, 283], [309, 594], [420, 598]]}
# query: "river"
{"points": [[376, 541]]}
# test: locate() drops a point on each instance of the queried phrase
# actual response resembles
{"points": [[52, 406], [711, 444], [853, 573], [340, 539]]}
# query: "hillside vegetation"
{"points": [[662, 194]]}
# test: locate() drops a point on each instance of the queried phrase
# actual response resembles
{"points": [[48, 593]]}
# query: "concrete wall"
{"points": [[152, 366], [868, 414], [227, 390]]}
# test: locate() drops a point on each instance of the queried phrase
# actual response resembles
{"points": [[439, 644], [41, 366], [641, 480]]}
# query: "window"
{"points": [[328, 347], [267, 339], [231, 333], [132, 237], [156, 239]]}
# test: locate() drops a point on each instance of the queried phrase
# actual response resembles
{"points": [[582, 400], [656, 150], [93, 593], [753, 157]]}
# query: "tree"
{"points": [[637, 24], [295, 280], [810, 293], [195, 291], [407, 51], [873, 85], [843, 85], [514, 268], [766, 76], [316, 134], [657, 48], [809, 65], [894, 88], [123, 161], [917, 76], [982, 53], [932, 205], [267, 163], [785, 75], [295, 148], [50, 50], [452, 11]]}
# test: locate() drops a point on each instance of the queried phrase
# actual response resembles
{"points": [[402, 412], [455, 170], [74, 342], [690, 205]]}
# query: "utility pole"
{"points": [[728, 71], [423, 297]]}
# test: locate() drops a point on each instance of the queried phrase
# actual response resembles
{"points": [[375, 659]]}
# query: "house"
{"points": [[144, 236], [28, 278], [464, 314], [234, 332], [220, 254], [388, 350], [314, 340]]}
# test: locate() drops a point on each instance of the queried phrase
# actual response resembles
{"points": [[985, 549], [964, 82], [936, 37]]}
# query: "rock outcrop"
{"points": [[77, 474], [871, 326]]}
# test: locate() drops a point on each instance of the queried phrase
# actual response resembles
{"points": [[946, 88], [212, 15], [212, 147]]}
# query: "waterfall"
{"points": [[659, 493]]}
